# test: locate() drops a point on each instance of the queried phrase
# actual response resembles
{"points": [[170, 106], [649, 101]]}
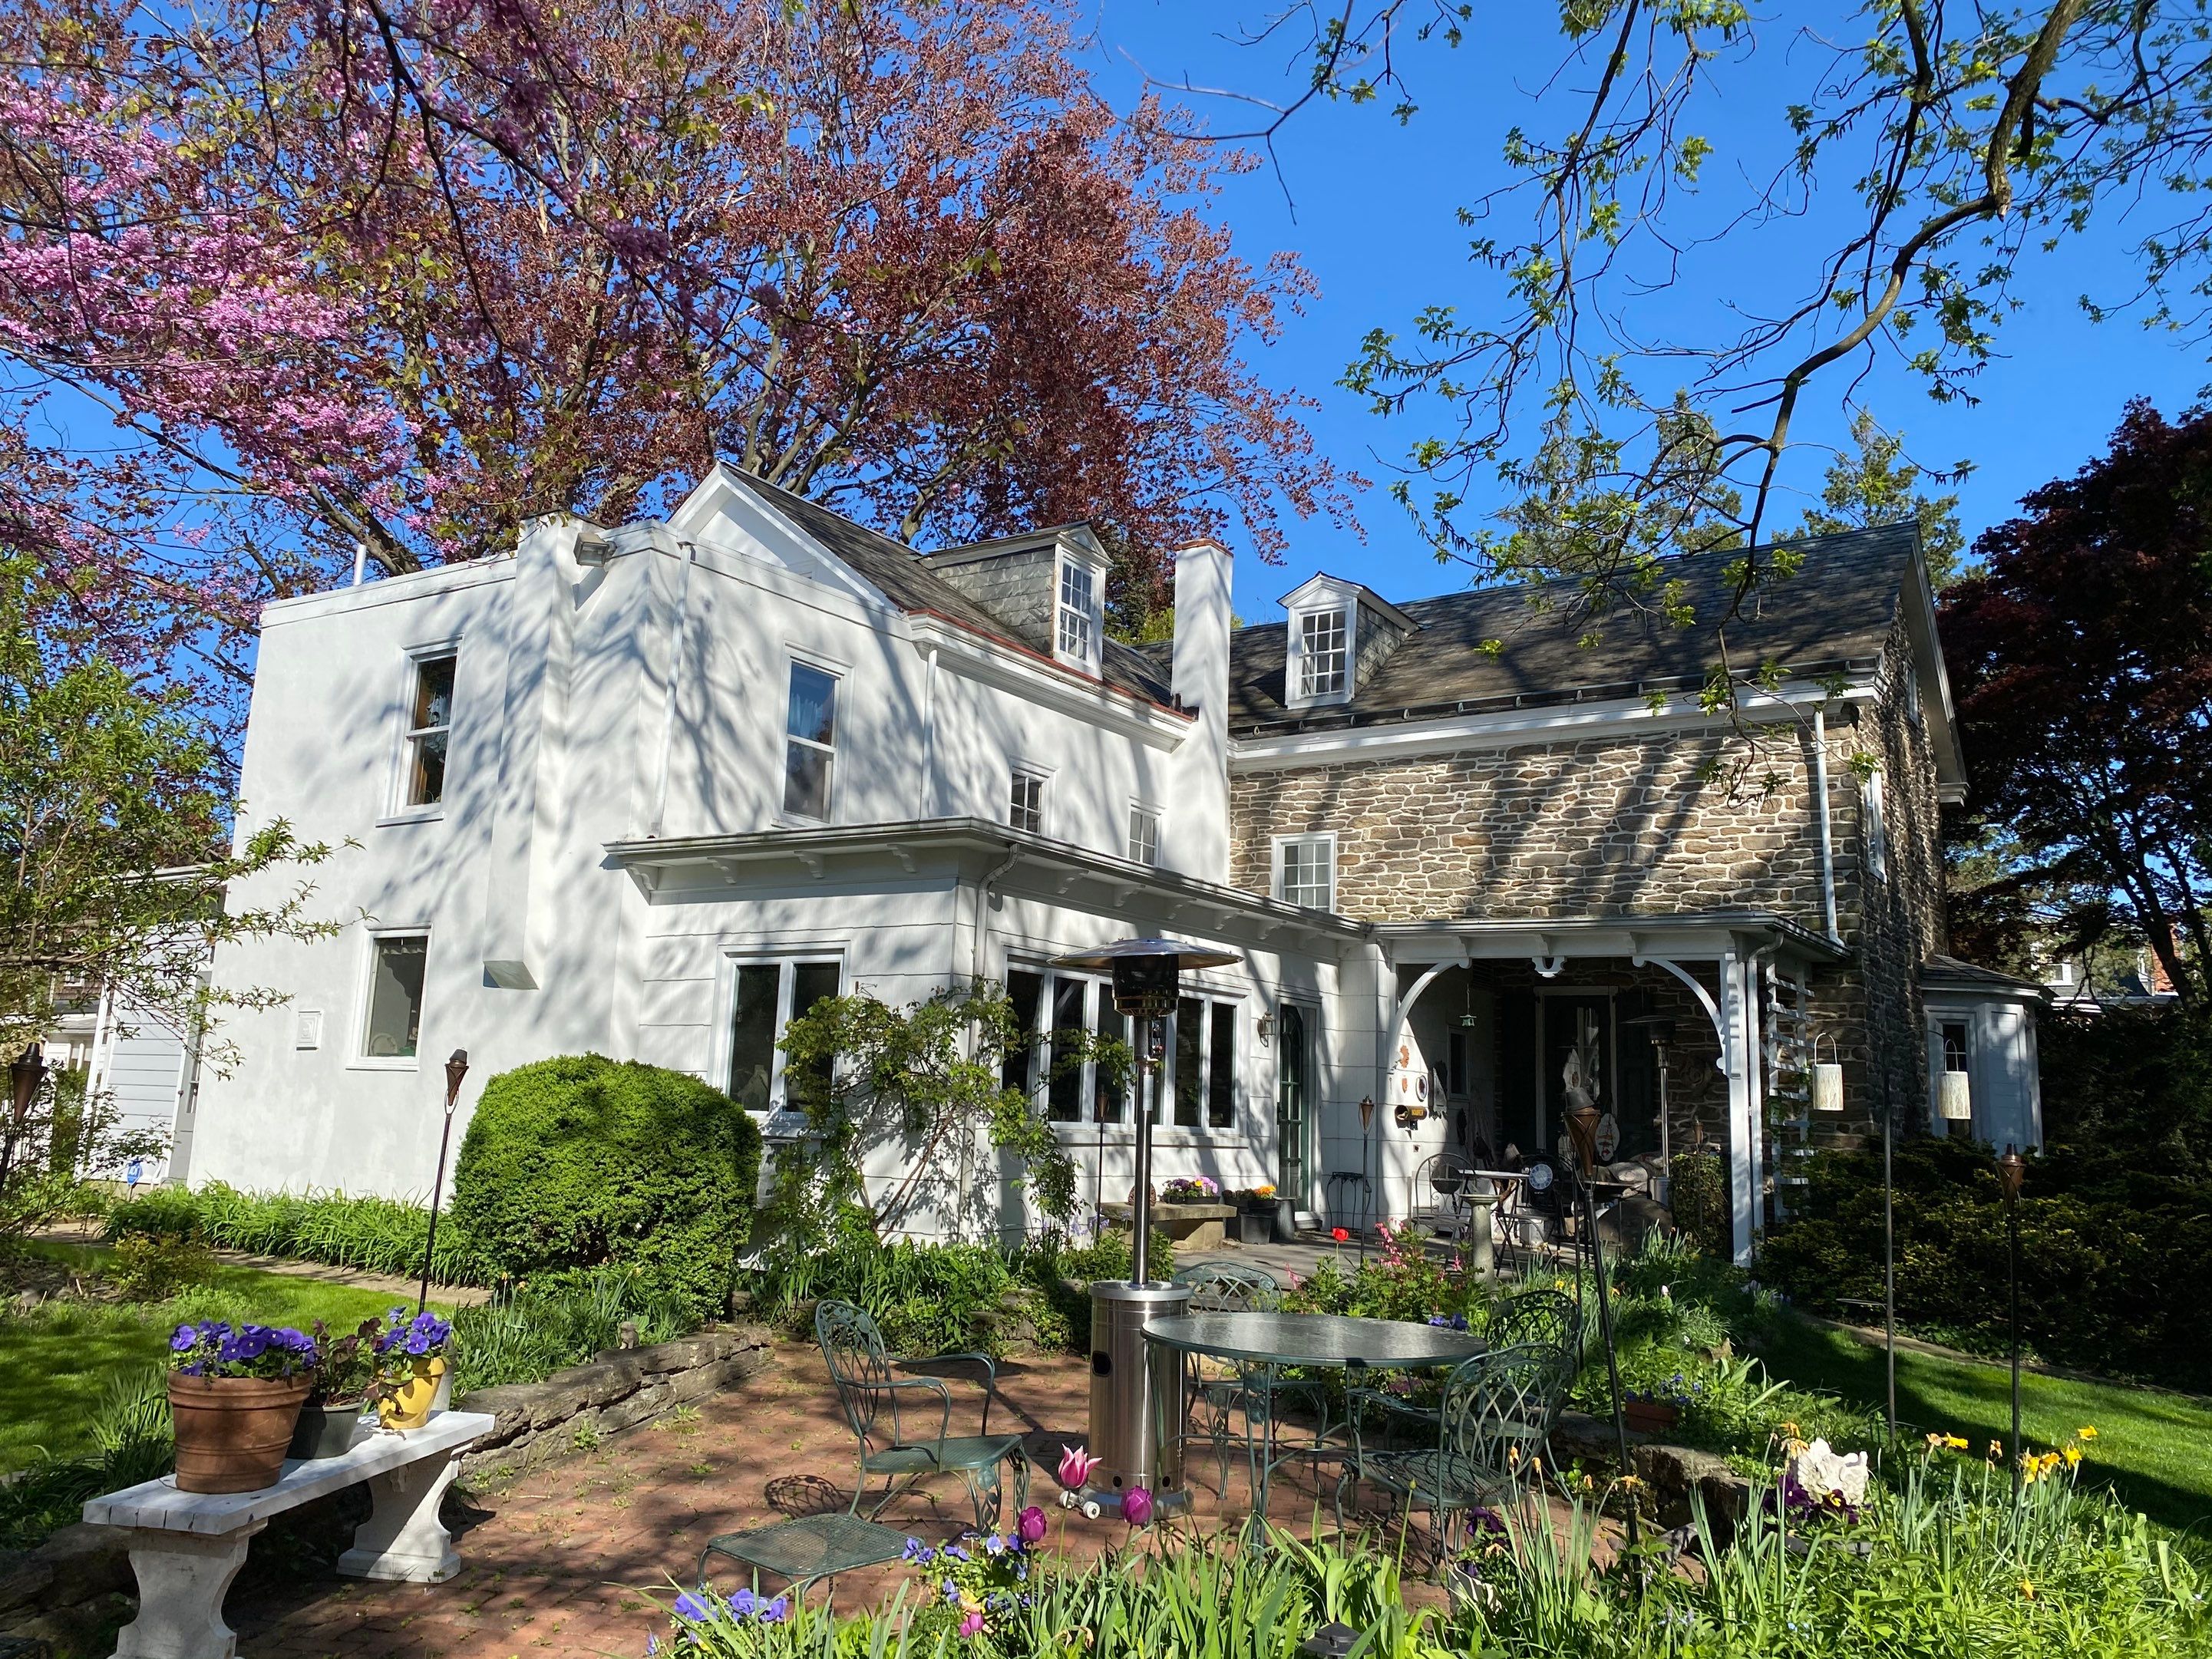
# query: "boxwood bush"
{"points": [[582, 1161]]}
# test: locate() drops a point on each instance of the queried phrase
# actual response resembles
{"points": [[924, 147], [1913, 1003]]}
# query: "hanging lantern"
{"points": [[1956, 1097], [1828, 1080]]}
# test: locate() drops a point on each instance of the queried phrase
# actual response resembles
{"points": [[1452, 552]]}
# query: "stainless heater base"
{"points": [[1136, 1390]]}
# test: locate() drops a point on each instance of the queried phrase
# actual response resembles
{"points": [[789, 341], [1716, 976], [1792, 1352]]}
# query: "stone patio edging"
{"points": [[573, 1409]]}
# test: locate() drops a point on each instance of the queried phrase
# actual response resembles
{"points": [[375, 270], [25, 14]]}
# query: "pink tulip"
{"points": [[973, 1624], [1075, 1467], [1137, 1506], [1029, 1526]]}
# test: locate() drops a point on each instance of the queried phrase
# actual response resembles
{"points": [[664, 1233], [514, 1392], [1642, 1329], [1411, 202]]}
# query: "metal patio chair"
{"points": [[1212, 1393], [879, 1408], [1531, 1317], [1491, 1446]]}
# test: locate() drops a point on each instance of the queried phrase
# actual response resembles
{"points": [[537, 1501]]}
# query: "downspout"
{"points": [[929, 737], [974, 978], [1827, 834], [676, 623]]}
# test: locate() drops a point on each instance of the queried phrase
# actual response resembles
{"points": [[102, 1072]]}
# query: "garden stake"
{"points": [[456, 1069], [2012, 1170], [1582, 1125], [25, 1077], [1889, 1261]]}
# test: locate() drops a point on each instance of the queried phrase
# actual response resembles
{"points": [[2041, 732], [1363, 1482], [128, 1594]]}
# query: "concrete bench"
{"points": [[186, 1548]]}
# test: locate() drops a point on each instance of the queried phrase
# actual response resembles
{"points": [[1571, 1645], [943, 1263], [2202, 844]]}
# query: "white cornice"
{"points": [[1626, 717], [1037, 677]]}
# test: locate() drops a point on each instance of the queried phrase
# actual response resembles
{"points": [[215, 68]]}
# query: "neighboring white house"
{"points": [[647, 791]]}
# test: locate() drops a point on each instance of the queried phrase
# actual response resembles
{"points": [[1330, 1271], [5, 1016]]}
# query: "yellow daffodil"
{"points": [[2028, 1589], [1955, 1442], [2084, 1432], [2073, 1457]]}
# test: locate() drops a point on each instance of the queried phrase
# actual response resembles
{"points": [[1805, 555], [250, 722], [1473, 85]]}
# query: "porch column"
{"points": [[1738, 1060]]}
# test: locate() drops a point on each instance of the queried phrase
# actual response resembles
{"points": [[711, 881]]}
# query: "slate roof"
{"points": [[1836, 610], [903, 576], [1953, 972]]}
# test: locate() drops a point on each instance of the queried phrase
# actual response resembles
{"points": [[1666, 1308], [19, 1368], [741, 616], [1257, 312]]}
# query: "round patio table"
{"points": [[1261, 1346]]}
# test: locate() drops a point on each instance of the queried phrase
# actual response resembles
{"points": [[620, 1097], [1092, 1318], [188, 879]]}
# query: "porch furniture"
{"points": [[1232, 1287], [879, 1407], [810, 1548], [186, 1548], [1351, 1197], [1493, 1439], [1262, 1346], [1441, 1195], [1515, 1321], [1508, 1211]]}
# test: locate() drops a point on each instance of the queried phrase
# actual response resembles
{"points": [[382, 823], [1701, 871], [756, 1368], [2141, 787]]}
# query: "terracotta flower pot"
{"points": [[233, 1431], [410, 1405]]}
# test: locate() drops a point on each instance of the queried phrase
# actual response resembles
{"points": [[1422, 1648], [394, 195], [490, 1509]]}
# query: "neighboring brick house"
{"points": [[1543, 822]]}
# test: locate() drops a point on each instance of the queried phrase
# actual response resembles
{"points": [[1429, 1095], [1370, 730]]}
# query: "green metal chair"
{"points": [[1492, 1440], [879, 1407], [1232, 1287], [1532, 1316]]}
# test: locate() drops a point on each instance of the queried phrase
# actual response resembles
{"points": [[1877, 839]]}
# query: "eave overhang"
{"points": [[1687, 935]]}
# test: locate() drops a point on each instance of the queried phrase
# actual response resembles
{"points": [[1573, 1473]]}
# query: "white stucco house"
{"points": [[646, 790]]}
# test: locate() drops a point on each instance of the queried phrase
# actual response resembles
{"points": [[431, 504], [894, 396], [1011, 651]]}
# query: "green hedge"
{"points": [[2112, 1275], [376, 1235], [584, 1161]]}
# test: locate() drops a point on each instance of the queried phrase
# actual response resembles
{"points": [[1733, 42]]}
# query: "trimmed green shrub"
{"points": [[582, 1161]]}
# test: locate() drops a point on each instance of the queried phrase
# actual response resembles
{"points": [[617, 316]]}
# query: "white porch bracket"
{"points": [[1406, 1008], [1705, 1000]]}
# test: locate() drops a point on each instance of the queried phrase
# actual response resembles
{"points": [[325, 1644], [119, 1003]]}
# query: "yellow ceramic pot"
{"points": [[408, 1406]]}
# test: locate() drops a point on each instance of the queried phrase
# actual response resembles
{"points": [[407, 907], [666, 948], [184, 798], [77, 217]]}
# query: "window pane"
{"points": [[395, 998], [1189, 1072], [1109, 1099], [1321, 653], [1075, 611], [811, 982], [1221, 1068], [1027, 805], [813, 705], [433, 692], [806, 781], [1069, 1014], [426, 774], [1143, 836], [752, 1035], [1025, 991], [1306, 873]]}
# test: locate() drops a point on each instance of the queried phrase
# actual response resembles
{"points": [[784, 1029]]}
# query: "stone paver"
{"points": [[578, 1556]]}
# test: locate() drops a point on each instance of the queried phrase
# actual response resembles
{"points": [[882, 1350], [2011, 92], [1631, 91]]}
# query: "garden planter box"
{"points": [[325, 1430], [1650, 1416], [233, 1431]]}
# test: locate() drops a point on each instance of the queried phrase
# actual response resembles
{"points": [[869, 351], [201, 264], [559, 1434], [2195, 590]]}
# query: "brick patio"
{"points": [[563, 1558]]}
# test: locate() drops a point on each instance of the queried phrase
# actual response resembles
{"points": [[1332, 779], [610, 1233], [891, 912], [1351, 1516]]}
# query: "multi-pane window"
{"points": [[1876, 829], [429, 725], [1305, 871], [768, 996], [1323, 654], [1144, 835], [1025, 811], [1204, 1050], [810, 741], [1078, 610], [394, 1026], [1052, 1012], [1070, 1001]]}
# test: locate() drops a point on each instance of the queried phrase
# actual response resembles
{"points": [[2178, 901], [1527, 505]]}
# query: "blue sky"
{"points": [[1371, 216]]}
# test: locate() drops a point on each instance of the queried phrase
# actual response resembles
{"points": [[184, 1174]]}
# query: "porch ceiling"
{"points": [[1686, 935]]}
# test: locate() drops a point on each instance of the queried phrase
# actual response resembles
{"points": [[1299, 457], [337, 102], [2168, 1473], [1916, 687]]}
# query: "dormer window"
{"points": [[1076, 631], [1324, 655]]}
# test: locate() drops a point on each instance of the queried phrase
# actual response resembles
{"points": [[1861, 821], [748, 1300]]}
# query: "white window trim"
{"points": [[396, 807], [1041, 775], [726, 1003], [1088, 659], [1138, 807], [1165, 1082], [1276, 847], [357, 1059], [1088, 1128], [1294, 660], [1873, 828], [796, 657]]}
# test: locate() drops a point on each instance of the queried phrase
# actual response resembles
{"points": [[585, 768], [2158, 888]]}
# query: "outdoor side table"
{"points": [[187, 1546], [810, 1548], [1262, 1345]]}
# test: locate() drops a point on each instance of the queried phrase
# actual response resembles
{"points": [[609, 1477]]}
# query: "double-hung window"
{"points": [[810, 749], [1205, 1051], [1144, 834], [1025, 809], [1060, 1022], [1876, 828], [766, 997], [1076, 632], [391, 1027], [1324, 654], [1305, 871], [429, 727]]}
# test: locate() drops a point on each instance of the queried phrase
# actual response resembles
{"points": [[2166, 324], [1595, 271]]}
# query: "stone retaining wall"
{"points": [[618, 1390]]}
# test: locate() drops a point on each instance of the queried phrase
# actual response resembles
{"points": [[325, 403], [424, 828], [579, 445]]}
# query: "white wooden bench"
{"points": [[186, 1548]]}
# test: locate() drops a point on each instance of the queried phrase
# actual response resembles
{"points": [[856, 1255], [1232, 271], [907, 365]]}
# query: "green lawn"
{"points": [[2155, 1447], [55, 1365]]}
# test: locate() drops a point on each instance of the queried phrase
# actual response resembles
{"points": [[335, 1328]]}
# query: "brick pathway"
{"points": [[570, 1557]]}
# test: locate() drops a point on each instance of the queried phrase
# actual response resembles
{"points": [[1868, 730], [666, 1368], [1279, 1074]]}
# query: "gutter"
{"points": [[1827, 835]]}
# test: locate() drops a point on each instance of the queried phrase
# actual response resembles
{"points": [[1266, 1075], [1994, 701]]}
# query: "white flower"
{"points": [[1824, 1473]]}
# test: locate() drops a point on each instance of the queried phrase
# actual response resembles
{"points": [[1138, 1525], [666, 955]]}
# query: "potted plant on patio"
{"points": [[345, 1369], [235, 1395], [411, 1364], [1255, 1215], [1190, 1189]]}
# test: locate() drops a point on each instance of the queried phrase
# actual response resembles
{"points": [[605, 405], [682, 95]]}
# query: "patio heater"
{"points": [[1661, 1031], [1136, 1392]]}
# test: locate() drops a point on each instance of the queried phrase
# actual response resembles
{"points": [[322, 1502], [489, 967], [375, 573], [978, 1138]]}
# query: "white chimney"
{"points": [[1199, 829]]}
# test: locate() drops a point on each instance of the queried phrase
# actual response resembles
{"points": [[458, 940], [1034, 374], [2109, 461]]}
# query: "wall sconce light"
{"points": [[1955, 1097], [1266, 1028]]}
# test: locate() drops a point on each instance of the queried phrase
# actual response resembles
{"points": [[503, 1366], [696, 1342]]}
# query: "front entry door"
{"points": [[1293, 1091]]}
